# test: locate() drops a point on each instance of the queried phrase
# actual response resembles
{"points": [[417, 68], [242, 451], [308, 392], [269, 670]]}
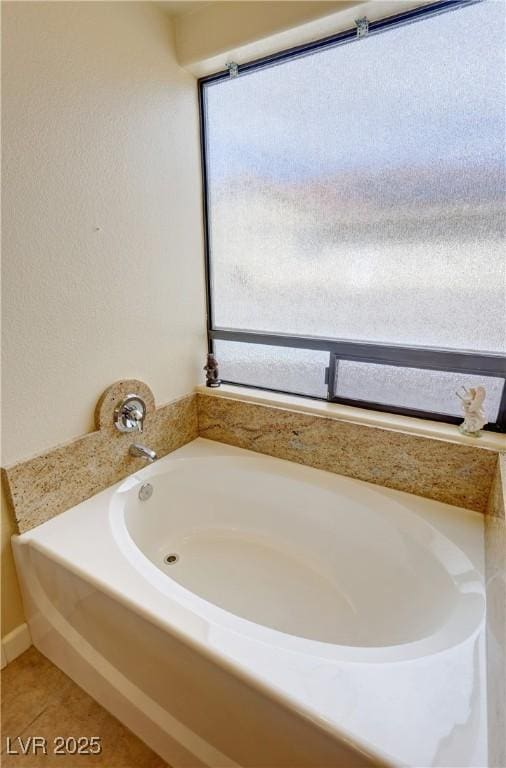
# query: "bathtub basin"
{"points": [[250, 611], [309, 556]]}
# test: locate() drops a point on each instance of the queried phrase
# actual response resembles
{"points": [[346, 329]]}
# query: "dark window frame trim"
{"points": [[426, 358]]}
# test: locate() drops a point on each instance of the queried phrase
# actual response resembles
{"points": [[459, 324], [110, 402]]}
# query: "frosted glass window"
{"points": [[422, 390], [301, 371], [358, 192]]}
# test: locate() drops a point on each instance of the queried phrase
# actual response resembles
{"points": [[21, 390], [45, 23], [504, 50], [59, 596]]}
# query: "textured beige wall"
{"points": [[102, 243], [12, 608], [102, 270]]}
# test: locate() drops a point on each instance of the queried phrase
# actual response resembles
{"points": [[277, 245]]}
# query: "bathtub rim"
{"points": [[328, 726]]}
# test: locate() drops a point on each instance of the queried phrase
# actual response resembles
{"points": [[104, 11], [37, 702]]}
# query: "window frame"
{"points": [[425, 358]]}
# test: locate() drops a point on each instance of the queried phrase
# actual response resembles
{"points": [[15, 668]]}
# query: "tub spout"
{"points": [[140, 451]]}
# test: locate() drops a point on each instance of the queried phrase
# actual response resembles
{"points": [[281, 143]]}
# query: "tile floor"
{"points": [[40, 700]]}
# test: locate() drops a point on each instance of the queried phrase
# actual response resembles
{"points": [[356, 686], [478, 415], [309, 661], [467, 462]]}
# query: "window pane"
{"points": [[357, 192], [413, 388], [301, 371]]}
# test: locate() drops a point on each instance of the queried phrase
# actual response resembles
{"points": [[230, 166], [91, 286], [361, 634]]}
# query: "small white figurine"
{"points": [[472, 405]]}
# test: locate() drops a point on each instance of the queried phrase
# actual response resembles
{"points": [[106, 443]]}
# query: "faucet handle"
{"points": [[130, 414], [134, 418]]}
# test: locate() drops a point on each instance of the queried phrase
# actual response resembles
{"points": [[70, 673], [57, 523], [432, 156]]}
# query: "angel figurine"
{"points": [[472, 405]]}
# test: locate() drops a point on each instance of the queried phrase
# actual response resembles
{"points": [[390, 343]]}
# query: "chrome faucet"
{"points": [[141, 452], [129, 414]]}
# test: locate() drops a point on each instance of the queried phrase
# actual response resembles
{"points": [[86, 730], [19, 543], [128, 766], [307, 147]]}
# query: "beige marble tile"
{"points": [[63, 709], [56, 480], [29, 684], [497, 498], [50, 483], [495, 566], [452, 473]]}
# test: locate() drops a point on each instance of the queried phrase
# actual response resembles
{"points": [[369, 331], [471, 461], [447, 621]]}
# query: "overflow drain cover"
{"points": [[171, 559], [146, 491]]}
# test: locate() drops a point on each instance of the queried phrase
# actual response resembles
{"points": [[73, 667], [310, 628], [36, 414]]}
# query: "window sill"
{"points": [[394, 422]]}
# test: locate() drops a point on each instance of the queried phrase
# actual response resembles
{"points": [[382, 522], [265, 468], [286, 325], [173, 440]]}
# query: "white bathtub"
{"points": [[303, 618]]}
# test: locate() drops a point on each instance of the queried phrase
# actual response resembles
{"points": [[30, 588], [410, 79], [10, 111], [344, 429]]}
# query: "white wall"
{"points": [[102, 244]]}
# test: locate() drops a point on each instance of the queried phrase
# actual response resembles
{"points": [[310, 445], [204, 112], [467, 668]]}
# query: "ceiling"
{"points": [[181, 7]]}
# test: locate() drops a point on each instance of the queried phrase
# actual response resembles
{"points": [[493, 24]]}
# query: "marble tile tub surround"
{"points": [[42, 487], [497, 498], [56, 480], [495, 570], [456, 474]]}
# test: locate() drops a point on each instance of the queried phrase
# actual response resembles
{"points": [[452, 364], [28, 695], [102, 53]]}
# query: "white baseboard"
{"points": [[15, 643]]}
